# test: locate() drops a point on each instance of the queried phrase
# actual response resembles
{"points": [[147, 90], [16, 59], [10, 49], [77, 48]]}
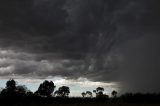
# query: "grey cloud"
{"points": [[81, 38], [12, 63]]}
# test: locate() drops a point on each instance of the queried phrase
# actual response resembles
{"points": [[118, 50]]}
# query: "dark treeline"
{"points": [[45, 93]]}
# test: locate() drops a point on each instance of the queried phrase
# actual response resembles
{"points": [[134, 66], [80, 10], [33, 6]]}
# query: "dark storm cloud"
{"points": [[39, 26], [81, 38], [65, 26], [129, 20], [33, 15]]}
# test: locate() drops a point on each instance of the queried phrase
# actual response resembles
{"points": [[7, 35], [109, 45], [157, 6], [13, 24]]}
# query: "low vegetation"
{"points": [[20, 94]]}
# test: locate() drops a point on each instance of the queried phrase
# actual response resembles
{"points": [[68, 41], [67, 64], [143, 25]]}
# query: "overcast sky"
{"points": [[106, 41]]}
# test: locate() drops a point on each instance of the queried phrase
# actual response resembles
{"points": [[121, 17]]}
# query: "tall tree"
{"points": [[11, 85], [45, 89], [10, 89], [63, 91], [99, 92]]}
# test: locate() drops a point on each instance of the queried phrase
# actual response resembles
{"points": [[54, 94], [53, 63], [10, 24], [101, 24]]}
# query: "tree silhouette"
{"points": [[45, 89], [88, 94], [57, 93], [83, 94], [114, 94], [22, 89], [11, 85], [29, 94], [62, 91], [10, 89], [99, 92], [15, 94]]}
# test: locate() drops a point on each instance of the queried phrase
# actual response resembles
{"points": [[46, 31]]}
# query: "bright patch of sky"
{"points": [[76, 86], [12, 62]]}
